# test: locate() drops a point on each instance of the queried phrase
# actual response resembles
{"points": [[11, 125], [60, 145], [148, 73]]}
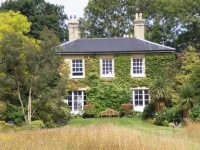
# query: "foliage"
{"points": [[126, 109], [31, 71], [13, 113], [160, 93], [189, 61], [149, 111], [167, 115], [89, 110], [106, 95], [36, 124], [195, 112], [187, 98], [170, 24], [14, 22], [53, 113], [41, 14]]}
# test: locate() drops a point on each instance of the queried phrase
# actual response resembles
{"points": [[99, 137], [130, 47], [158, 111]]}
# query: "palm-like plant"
{"points": [[160, 93], [187, 95]]}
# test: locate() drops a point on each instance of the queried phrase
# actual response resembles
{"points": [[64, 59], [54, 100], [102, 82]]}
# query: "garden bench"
{"points": [[109, 113]]}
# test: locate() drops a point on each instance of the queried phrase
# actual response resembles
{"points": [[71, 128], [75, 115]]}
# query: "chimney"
{"points": [[139, 26], [73, 28]]}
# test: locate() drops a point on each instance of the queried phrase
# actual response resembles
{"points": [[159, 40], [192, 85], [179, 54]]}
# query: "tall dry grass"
{"points": [[102, 137]]}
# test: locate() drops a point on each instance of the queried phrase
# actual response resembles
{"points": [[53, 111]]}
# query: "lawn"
{"points": [[104, 134], [133, 123]]}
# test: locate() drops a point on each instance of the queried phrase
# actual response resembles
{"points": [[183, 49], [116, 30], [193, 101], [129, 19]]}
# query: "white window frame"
{"points": [[138, 57], [110, 75], [135, 102], [83, 68], [76, 100]]}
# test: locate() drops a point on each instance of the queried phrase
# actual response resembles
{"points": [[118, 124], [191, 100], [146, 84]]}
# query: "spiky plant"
{"points": [[160, 93], [187, 98]]}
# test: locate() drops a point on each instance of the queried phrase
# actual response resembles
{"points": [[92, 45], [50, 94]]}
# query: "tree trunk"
{"points": [[159, 106], [22, 105], [29, 105]]}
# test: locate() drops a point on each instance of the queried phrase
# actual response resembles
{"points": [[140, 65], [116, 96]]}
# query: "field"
{"points": [[104, 134]]}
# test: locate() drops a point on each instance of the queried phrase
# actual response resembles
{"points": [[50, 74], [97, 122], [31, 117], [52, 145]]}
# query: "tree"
{"points": [[30, 71], [187, 94], [160, 93], [171, 23], [41, 14], [189, 60], [14, 22]]}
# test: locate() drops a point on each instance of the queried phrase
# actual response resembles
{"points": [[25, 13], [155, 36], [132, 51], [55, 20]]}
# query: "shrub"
{"points": [[89, 110], [53, 113], [13, 113], [149, 111], [36, 124], [173, 114], [195, 112], [126, 109]]}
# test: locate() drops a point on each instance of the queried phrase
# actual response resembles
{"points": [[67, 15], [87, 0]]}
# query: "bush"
{"points": [[173, 114], [53, 113], [126, 109], [6, 126], [89, 110], [149, 111], [36, 124], [13, 113], [135, 114], [195, 113]]}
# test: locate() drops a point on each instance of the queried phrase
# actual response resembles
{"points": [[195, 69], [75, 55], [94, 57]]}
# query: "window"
{"points": [[77, 70], [138, 67], [76, 101], [107, 67], [140, 98]]}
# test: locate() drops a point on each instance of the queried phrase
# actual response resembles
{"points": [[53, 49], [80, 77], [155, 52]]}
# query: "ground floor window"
{"points": [[76, 101], [140, 98]]}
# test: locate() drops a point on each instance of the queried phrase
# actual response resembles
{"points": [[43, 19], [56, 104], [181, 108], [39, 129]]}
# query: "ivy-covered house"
{"points": [[128, 62]]}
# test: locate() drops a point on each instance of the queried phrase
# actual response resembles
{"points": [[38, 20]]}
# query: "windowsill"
{"points": [[77, 77], [138, 75], [107, 76]]}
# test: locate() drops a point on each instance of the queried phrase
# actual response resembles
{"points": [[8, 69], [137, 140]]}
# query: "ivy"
{"points": [[112, 92]]}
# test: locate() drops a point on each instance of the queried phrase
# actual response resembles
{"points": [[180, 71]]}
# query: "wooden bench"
{"points": [[109, 113]]}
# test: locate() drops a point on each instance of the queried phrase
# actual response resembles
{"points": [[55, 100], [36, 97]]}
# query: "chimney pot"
{"points": [[70, 17], [74, 17]]}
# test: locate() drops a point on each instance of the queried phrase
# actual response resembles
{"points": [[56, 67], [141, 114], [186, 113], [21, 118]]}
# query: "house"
{"points": [[140, 61]]}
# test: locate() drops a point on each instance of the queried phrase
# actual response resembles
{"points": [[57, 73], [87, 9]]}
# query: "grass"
{"points": [[101, 134]]}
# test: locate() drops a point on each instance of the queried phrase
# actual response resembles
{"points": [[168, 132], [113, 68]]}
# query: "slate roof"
{"points": [[112, 45]]}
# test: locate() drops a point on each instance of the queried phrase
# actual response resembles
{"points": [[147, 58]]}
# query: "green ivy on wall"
{"points": [[112, 92], [155, 65]]}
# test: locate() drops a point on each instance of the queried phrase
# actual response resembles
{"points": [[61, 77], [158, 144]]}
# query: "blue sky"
{"points": [[72, 7]]}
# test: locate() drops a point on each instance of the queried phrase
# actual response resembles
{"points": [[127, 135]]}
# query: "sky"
{"points": [[72, 7]]}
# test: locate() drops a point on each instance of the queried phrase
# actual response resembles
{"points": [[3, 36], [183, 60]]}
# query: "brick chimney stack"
{"points": [[73, 28], [139, 26]]}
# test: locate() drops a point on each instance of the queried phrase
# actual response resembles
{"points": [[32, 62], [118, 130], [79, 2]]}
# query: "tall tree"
{"points": [[14, 22], [41, 14], [28, 70], [171, 23]]}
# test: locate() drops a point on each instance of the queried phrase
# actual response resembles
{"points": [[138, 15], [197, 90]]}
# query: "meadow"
{"points": [[104, 134]]}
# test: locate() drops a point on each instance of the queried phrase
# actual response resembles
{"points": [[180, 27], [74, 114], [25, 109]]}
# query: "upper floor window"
{"points": [[107, 67], [138, 67], [77, 69]]}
